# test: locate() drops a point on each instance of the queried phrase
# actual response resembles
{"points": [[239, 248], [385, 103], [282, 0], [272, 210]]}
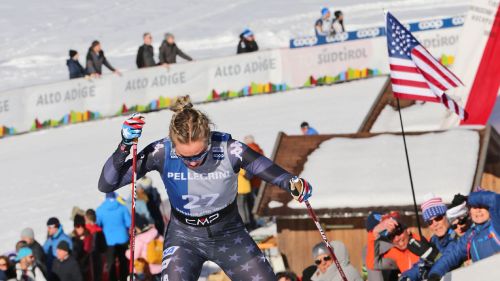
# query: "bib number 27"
{"points": [[195, 201]]}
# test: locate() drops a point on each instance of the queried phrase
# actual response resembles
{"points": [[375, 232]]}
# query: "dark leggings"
{"points": [[227, 243], [113, 253]]}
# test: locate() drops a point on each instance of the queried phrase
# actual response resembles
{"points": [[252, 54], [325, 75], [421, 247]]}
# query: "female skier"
{"points": [[199, 168]]}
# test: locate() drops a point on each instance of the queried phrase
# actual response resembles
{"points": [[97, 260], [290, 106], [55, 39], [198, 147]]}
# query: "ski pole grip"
{"points": [[294, 190]]}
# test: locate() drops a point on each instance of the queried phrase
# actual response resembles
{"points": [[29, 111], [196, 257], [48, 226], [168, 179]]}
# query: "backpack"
{"points": [[154, 251]]}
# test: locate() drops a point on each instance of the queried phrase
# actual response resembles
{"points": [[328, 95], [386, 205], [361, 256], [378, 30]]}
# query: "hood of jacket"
{"points": [[59, 232], [111, 205]]}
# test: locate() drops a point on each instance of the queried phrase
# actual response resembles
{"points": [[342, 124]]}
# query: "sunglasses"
{"points": [[324, 259], [194, 158], [435, 219], [461, 221]]}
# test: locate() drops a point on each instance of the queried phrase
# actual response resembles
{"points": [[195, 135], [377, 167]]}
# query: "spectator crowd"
{"points": [[97, 247], [168, 53]]}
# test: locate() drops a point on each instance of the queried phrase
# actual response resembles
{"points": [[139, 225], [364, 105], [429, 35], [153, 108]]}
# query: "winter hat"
{"points": [[79, 220], [28, 233], [53, 221], [372, 220], [324, 11], [458, 207], [111, 195], [432, 207], [145, 182], [63, 245], [247, 33], [72, 53], [457, 212], [23, 252]]}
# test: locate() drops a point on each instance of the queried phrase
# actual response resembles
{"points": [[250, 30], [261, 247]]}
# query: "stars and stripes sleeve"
{"points": [[243, 157], [117, 170]]}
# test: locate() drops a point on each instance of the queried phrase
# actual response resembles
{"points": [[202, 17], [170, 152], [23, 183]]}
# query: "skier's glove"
{"points": [[424, 249], [132, 129], [301, 190]]}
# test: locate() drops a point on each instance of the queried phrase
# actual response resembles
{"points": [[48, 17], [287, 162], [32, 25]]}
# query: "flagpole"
{"points": [[409, 169]]}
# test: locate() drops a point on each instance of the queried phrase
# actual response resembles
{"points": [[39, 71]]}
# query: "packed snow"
{"points": [[50, 171], [36, 40], [427, 116], [372, 171]]}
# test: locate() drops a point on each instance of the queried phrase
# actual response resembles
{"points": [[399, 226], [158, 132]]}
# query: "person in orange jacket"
{"points": [[393, 230]]}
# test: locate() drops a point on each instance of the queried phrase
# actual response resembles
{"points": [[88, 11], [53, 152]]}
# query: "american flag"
{"points": [[415, 73]]}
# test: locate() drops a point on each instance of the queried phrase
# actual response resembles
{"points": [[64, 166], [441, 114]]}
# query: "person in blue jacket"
{"points": [[55, 234], [75, 69], [307, 130], [481, 240], [114, 218], [434, 215]]}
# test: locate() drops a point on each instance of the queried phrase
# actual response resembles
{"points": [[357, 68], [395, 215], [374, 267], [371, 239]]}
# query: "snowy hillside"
{"points": [[37, 35], [46, 173]]}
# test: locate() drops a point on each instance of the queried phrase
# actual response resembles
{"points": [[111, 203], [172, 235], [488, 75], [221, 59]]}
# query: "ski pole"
{"points": [[325, 240], [132, 225]]}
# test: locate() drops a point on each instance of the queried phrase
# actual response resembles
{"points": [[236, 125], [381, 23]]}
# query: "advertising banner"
{"points": [[352, 55]]}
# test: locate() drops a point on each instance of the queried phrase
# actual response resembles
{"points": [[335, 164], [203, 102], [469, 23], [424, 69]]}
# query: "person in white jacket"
{"points": [[26, 268], [327, 271]]}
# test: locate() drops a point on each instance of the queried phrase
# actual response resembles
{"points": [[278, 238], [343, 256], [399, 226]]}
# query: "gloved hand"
{"points": [[434, 277], [132, 128], [424, 249], [300, 188]]}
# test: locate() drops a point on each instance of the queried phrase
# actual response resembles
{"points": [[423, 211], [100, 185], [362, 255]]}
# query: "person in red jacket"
{"points": [[82, 246], [98, 245], [393, 230]]}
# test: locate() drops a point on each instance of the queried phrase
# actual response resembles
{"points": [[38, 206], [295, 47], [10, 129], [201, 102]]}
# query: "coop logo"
{"points": [[338, 37], [203, 221], [430, 24], [305, 41], [368, 33], [458, 20], [218, 153]]}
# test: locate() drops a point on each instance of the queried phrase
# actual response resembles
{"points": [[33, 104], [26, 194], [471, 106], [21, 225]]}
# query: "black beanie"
{"points": [[458, 199], [79, 220], [63, 245], [53, 221], [72, 53]]}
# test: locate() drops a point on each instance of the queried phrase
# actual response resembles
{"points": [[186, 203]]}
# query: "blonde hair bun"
{"points": [[183, 102]]}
